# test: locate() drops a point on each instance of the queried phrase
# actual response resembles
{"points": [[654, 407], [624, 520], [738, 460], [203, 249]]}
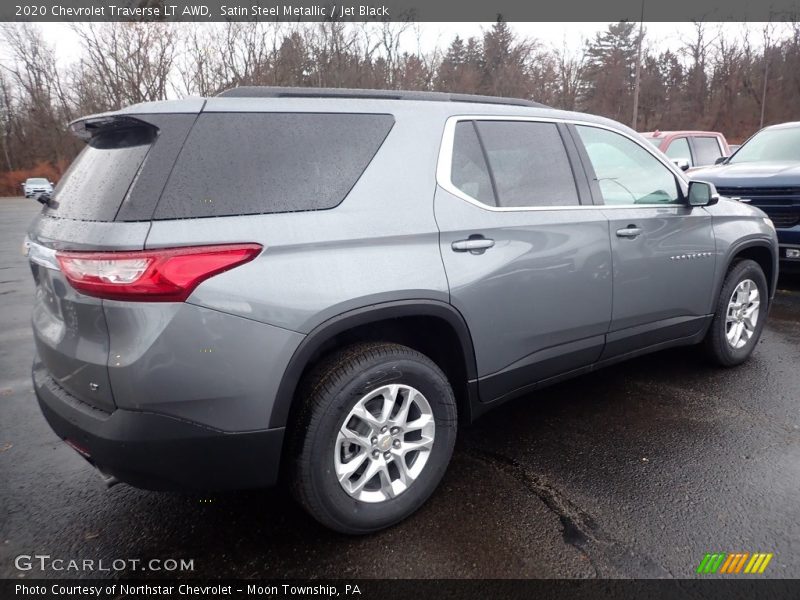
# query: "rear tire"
{"points": [[408, 452], [740, 314]]}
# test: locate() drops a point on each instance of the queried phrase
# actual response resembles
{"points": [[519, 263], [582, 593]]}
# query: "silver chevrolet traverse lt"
{"points": [[317, 286]]}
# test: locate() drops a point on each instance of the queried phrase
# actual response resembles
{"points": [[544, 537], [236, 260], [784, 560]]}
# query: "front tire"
{"points": [[374, 434], [740, 315]]}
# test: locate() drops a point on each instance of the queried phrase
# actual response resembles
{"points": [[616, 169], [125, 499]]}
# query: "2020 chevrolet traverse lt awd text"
{"points": [[321, 284]]}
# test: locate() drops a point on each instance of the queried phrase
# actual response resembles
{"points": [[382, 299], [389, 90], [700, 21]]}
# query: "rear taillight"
{"points": [[164, 275]]}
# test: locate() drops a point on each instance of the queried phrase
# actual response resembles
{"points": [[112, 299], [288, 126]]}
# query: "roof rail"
{"points": [[301, 92]]}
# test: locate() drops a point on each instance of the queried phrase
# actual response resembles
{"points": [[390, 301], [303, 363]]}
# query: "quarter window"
{"points": [[255, 163], [626, 172]]}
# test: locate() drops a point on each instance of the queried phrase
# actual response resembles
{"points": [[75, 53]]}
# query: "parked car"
{"points": [[765, 172], [35, 186], [266, 283], [690, 149]]}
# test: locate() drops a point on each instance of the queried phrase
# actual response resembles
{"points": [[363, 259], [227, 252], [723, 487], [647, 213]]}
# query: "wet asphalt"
{"points": [[637, 470]]}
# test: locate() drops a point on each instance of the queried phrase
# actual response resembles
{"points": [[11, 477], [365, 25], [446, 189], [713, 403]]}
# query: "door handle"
{"points": [[629, 232], [475, 245]]}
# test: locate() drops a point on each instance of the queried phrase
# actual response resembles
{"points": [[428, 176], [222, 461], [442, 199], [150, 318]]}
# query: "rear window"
{"points": [[251, 163], [96, 183], [653, 140]]}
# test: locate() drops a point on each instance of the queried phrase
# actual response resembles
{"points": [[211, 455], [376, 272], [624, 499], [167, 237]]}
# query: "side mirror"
{"points": [[720, 160], [702, 193], [682, 163]]}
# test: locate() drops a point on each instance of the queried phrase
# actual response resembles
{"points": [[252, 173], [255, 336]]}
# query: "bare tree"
{"points": [[43, 107], [569, 69], [696, 49], [6, 118], [129, 62]]}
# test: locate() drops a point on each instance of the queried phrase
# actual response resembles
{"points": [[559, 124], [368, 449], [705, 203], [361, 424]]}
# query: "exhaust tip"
{"points": [[79, 449], [108, 479]]}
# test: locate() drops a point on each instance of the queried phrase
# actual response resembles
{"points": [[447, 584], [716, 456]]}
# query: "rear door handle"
{"points": [[629, 232], [474, 245]]}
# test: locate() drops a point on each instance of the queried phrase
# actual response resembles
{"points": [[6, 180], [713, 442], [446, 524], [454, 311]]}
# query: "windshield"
{"points": [[37, 181], [770, 145]]}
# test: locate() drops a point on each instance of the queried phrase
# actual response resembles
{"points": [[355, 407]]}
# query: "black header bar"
{"points": [[399, 10]]}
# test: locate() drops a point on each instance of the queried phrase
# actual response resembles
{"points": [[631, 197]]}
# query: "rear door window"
{"points": [[529, 163], [251, 163], [513, 164]]}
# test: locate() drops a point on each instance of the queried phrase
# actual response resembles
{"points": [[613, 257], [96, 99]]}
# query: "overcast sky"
{"points": [[659, 36]]}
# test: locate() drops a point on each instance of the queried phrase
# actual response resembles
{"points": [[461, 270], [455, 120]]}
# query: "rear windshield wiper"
{"points": [[46, 199]]}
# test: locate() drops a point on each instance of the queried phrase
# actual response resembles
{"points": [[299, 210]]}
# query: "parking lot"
{"points": [[634, 471]]}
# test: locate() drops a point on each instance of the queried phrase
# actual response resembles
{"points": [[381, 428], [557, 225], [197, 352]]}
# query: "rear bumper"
{"points": [[159, 452]]}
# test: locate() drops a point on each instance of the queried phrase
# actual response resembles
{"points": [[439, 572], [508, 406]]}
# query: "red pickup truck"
{"points": [[698, 148]]}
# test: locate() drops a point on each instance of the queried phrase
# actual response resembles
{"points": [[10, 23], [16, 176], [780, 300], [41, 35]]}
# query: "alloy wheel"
{"points": [[742, 314], [384, 443]]}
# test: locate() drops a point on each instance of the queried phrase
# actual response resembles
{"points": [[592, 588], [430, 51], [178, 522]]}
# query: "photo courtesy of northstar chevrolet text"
{"points": [[318, 299]]}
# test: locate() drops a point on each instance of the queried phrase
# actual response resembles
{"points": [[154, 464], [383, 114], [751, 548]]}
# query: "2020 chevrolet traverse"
{"points": [[321, 284]]}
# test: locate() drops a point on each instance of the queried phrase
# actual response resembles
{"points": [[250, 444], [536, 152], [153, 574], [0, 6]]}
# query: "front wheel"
{"points": [[374, 435], [740, 314]]}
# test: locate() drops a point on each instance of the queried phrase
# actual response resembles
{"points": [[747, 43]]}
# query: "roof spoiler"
{"points": [[87, 127]]}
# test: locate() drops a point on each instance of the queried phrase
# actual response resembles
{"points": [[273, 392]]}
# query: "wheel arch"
{"points": [[414, 323], [758, 250]]}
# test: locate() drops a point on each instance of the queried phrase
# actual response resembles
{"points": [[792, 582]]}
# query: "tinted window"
{"points": [[679, 148], [707, 150], [469, 172], [96, 183], [626, 172], [248, 163], [529, 163]]}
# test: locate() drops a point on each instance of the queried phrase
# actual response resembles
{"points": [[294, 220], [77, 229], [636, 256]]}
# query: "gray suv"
{"points": [[317, 286]]}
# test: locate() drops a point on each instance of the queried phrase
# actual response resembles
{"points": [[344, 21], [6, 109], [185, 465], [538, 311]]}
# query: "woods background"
{"points": [[722, 82]]}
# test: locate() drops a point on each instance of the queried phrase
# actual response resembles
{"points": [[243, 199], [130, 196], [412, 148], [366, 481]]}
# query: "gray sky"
{"points": [[659, 36]]}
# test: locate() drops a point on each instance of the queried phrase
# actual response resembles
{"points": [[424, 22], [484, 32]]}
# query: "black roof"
{"points": [[301, 92]]}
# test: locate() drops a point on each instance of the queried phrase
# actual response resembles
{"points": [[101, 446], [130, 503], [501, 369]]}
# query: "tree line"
{"points": [[713, 80]]}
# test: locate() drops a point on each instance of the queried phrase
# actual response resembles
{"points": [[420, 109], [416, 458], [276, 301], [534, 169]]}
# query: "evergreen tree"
{"points": [[608, 78]]}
